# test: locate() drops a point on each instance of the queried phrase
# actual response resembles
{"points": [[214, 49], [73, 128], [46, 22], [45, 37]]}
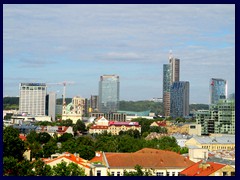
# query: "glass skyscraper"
{"points": [[179, 99], [170, 75], [108, 93], [218, 90]]}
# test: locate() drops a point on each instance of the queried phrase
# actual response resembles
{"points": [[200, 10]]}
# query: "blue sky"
{"points": [[79, 43]]}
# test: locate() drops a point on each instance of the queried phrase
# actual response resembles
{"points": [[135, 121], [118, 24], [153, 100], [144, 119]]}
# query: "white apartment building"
{"points": [[32, 98]]}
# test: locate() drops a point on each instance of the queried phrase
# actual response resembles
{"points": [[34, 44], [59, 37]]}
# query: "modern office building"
{"points": [[218, 90], [108, 93], [166, 88], [175, 69], [171, 74], [179, 99], [32, 98], [51, 105], [220, 118]]}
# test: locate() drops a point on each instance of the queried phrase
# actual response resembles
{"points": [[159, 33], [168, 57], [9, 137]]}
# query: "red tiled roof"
{"points": [[198, 170], [148, 157], [97, 158], [22, 137], [71, 157]]}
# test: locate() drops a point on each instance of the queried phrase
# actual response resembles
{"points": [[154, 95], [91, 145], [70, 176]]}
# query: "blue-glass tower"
{"points": [[218, 90], [179, 99], [109, 93]]}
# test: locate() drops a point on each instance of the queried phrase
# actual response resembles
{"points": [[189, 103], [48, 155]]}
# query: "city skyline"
{"points": [[79, 43]]}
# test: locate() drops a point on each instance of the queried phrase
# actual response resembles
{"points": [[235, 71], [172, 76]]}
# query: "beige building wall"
{"points": [[225, 171]]}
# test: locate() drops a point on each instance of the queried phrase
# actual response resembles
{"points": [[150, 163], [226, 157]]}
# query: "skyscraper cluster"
{"points": [[175, 92]]}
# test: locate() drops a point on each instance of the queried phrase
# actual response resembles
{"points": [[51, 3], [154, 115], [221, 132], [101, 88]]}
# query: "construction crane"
{"points": [[64, 83]]}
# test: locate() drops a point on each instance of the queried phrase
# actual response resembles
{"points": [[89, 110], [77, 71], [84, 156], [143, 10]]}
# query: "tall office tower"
{"points": [[179, 99], [218, 90], [32, 98], [51, 105], [94, 103], [166, 89], [175, 68], [170, 75], [108, 93]]}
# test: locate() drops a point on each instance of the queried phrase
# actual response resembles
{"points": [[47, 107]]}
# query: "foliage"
{"points": [[156, 107], [79, 126], [13, 167], [42, 169], [49, 148], [43, 137], [65, 137], [138, 172], [12, 144], [72, 169]]}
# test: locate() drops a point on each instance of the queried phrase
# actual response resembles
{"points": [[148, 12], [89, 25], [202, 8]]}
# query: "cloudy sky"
{"points": [[79, 43]]}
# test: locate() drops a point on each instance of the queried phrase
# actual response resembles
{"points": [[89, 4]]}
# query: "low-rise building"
{"points": [[203, 168], [113, 127], [213, 143], [68, 158], [163, 163]]}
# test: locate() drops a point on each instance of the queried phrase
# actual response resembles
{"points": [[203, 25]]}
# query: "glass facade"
{"points": [[109, 93], [220, 118], [218, 90], [179, 99]]}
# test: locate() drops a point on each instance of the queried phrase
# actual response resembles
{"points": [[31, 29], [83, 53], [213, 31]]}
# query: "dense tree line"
{"points": [[42, 145], [156, 107]]}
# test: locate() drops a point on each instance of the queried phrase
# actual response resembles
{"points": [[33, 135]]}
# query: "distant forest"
{"points": [[156, 107]]}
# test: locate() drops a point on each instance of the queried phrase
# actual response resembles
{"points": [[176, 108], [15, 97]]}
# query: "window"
{"points": [[159, 174], [232, 173], [98, 172], [168, 173], [173, 173], [112, 173], [118, 173], [224, 173]]}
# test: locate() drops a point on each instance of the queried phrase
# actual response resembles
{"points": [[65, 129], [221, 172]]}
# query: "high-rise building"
{"points": [[32, 98], [219, 119], [108, 93], [174, 69], [171, 74], [179, 99], [51, 105], [166, 88], [218, 90]]}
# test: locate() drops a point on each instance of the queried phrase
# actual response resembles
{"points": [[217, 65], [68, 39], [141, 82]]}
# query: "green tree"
{"points": [[10, 166], [42, 169], [49, 148], [72, 169], [86, 152], [12, 144], [65, 137], [43, 137], [79, 126]]}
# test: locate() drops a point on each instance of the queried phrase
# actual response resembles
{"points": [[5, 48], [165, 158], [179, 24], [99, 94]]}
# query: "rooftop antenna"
{"points": [[170, 54]]}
